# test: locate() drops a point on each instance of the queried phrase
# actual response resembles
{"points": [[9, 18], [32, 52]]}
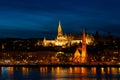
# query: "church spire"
{"points": [[84, 53], [59, 29]]}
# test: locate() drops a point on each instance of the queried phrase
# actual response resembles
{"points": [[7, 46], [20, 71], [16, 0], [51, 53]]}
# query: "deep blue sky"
{"points": [[38, 18]]}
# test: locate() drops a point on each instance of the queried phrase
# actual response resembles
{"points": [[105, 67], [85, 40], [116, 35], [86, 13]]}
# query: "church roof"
{"points": [[77, 53], [59, 28]]}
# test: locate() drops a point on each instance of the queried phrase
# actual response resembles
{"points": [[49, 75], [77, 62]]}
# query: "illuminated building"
{"points": [[84, 52], [77, 56], [80, 54], [3, 46], [64, 40], [61, 39]]}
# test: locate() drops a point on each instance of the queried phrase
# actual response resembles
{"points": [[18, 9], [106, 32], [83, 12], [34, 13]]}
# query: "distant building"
{"points": [[80, 54], [3, 46], [77, 56], [61, 40]]}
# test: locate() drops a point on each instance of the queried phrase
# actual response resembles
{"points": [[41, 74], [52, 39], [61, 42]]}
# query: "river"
{"points": [[59, 73]]}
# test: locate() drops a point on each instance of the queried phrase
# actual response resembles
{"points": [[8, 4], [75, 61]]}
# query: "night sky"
{"points": [[39, 18]]}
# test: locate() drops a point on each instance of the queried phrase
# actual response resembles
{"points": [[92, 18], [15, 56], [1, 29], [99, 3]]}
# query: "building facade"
{"points": [[64, 40]]}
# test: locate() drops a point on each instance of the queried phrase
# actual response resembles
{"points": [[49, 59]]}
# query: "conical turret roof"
{"points": [[59, 29]]}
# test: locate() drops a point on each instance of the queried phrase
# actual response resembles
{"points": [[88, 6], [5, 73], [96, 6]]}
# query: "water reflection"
{"points": [[7, 72], [59, 73], [25, 70], [93, 69]]}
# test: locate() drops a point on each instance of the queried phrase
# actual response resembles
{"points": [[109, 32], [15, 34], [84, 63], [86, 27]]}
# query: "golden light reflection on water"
{"points": [[53, 70], [112, 70], [10, 70], [84, 70], [25, 70], [119, 69], [62, 72], [43, 69], [7, 70], [102, 70], [58, 70], [109, 71], [80, 70], [93, 69], [70, 70], [77, 70], [115, 70]]}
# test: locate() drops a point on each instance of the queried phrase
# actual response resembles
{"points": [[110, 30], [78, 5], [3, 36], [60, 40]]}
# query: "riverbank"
{"points": [[63, 65]]}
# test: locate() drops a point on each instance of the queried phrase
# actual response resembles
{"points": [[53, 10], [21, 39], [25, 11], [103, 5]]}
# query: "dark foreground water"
{"points": [[59, 73]]}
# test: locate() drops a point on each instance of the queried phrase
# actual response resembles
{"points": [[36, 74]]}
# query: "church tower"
{"points": [[59, 29], [77, 56], [84, 52], [44, 42]]}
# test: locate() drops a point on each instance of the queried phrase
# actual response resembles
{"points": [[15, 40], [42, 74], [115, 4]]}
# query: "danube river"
{"points": [[59, 73]]}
